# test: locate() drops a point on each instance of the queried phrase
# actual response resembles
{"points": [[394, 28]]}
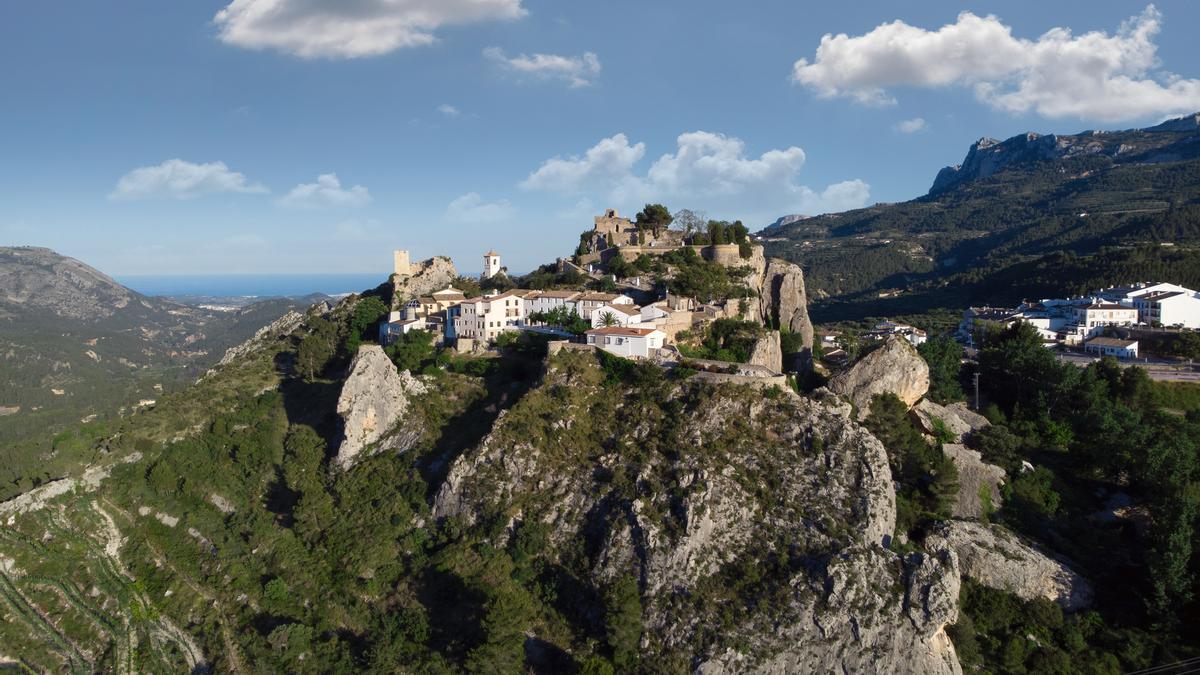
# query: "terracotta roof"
{"points": [[558, 294], [449, 290], [492, 252], [1111, 342], [1107, 305], [627, 310], [600, 297], [620, 330]]}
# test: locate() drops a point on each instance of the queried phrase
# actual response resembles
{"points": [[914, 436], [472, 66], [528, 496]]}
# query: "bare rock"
{"points": [[374, 400], [956, 418], [994, 557], [894, 367], [975, 478], [767, 352], [784, 299], [426, 276]]}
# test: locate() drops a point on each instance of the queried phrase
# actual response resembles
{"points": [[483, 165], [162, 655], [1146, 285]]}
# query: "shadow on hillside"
{"points": [[510, 380], [311, 403]]}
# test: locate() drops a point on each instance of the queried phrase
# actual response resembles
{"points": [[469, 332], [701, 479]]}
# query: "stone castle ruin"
{"points": [[613, 235]]}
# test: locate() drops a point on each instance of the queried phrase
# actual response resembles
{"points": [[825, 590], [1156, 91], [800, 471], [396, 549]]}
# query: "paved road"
{"points": [[1157, 369]]}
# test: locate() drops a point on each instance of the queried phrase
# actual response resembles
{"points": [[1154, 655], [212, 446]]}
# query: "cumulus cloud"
{"points": [[327, 191], [606, 166], [470, 208], [349, 28], [576, 71], [910, 126], [706, 170], [1091, 76], [449, 110], [177, 179]]}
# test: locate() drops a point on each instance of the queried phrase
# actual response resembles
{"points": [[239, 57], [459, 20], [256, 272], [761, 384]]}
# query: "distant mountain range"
{"points": [[1030, 216], [75, 346]]}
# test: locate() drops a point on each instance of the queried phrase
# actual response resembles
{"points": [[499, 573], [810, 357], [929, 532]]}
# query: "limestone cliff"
{"points": [[686, 486], [425, 277], [894, 367], [994, 557], [976, 478], [956, 419], [372, 406]]}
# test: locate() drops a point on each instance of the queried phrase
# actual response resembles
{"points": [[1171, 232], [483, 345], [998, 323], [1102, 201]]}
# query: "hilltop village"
{"points": [[635, 288]]}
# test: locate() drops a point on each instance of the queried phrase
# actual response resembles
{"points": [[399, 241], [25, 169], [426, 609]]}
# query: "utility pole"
{"points": [[976, 391]]}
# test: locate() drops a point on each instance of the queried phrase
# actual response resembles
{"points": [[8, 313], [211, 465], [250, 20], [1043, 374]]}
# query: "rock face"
{"points": [[784, 298], [895, 367], [994, 557], [599, 471], [766, 352], [955, 418], [277, 328], [373, 401], [427, 276], [975, 478]]}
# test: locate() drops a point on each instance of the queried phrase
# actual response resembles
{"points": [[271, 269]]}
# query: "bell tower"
{"points": [[491, 264]]}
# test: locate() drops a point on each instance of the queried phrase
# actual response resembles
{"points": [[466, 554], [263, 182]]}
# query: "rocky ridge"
{"points": [[691, 516]]}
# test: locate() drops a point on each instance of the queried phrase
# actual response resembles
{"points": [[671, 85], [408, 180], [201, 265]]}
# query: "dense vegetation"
{"points": [[1098, 436]]}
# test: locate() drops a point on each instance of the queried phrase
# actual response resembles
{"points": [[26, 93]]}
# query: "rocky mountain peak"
{"points": [[40, 280]]}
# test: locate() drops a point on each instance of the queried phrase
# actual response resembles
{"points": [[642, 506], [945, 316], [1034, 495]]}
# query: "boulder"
{"points": [[975, 478], [766, 352], [894, 367], [374, 400], [994, 557], [956, 418]]}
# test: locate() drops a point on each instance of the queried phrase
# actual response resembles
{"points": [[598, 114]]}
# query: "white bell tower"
{"points": [[491, 264]]}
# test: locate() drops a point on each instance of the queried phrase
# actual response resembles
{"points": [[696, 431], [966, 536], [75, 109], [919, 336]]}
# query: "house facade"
{"points": [[627, 342], [485, 317], [616, 315]]}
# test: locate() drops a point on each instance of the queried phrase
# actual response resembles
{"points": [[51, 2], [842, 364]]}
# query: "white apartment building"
{"points": [[589, 301], [1169, 308], [627, 342], [1100, 314], [546, 301], [485, 317]]}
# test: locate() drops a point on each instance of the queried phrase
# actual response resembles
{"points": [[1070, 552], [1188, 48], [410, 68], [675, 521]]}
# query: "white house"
{"points": [[589, 301], [616, 315], [1122, 349], [627, 342], [1099, 314], [395, 326], [485, 317]]}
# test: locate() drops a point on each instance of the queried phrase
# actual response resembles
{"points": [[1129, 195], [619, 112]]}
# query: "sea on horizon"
{"points": [[250, 285]]}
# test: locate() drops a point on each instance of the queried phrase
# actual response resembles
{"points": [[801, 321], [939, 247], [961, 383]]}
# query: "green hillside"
{"points": [[1023, 218]]}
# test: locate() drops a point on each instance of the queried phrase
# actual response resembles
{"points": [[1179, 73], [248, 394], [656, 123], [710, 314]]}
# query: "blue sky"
{"points": [[294, 136]]}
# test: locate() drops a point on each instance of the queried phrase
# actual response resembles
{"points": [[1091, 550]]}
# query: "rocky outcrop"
{"points": [[784, 300], [374, 400], [956, 419], [894, 367], [780, 478], [426, 276], [976, 478], [766, 352], [995, 558]]}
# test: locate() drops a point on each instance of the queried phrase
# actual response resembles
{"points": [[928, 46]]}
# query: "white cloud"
{"points": [[910, 126], [707, 170], [177, 179], [470, 208], [350, 28], [327, 191], [449, 110], [576, 71], [606, 165], [1092, 76]]}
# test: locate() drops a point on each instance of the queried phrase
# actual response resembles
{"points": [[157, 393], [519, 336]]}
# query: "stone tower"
{"points": [[400, 263], [491, 264]]}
